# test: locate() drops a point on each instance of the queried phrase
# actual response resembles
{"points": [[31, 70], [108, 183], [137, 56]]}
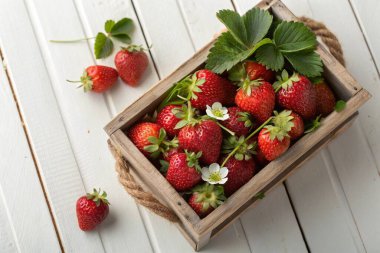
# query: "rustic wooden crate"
{"points": [[199, 231]]}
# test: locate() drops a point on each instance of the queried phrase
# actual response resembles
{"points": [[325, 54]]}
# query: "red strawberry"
{"points": [[229, 93], [131, 62], [290, 122], [170, 152], [256, 70], [325, 99], [239, 173], [168, 120], [184, 170], [205, 88], [92, 209], [206, 198], [273, 142], [205, 136], [257, 98], [97, 78], [296, 93], [238, 122]]}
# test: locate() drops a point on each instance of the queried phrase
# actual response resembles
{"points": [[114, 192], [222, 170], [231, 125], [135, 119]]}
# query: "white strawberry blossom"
{"points": [[217, 111], [214, 174]]}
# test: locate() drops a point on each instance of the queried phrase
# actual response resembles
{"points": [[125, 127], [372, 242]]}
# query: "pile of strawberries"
{"points": [[213, 133]]}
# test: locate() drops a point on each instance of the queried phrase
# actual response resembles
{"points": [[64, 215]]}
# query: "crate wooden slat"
{"points": [[199, 231]]}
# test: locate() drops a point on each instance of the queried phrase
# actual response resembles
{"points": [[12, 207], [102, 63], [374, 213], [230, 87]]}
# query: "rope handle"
{"points": [[146, 198]]}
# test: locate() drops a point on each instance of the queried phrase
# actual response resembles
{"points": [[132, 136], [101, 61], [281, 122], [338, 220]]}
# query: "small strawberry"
{"points": [[184, 170], [204, 87], [92, 209], [256, 70], [256, 97], [131, 62], [206, 198], [325, 98], [200, 135], [296, 93], [273, 142], [168, 120], [239, 173], [239, 121], [150, 139], [97, 78], [290, 122]]}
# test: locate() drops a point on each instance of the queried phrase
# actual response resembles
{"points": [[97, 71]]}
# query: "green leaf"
{"points": [[124, 38], [234, 23], [123, 26], [108, 25], [103, 46], [270, 56], [293, 36], [257, 23], [306, 63], [340, 105]]}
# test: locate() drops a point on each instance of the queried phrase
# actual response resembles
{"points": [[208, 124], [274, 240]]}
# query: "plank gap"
{"points": [[31, 149]]}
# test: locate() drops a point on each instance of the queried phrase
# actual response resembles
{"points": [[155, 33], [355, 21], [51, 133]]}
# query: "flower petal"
{"points": [[216, 106], [213, 168], [205, 172], [206, 179], [223, 172], [223, 181]]}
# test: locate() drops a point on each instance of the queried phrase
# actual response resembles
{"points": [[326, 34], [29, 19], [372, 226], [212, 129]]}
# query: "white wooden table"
{"points": [[53, 148]]}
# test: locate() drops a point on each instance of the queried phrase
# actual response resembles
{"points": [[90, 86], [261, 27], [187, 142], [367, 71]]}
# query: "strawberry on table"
{"points": [[239, 121], [296, 93], [325, 98], [97, 78], [273, 142], [92, 209], [131, 62], [256, 97], [205, 198], [184, 170], [168, 120]]}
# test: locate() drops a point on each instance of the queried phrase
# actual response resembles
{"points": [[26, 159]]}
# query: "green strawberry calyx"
{"points": [[275, 132], [284, 81], [209, 195], [283, 120], [133, 48], [247, 85], [85, 80], [244, 151], [313, 125], [246, 118], [187, 116], [160, 144], [192, 159], [98, 197]]}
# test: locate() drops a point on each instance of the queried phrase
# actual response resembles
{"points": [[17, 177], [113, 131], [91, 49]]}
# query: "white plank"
{"points": [[84, 116], [7, 240], [43, 119], [20, 188]]}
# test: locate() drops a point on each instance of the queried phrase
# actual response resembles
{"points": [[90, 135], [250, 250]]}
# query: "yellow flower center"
{"points": [[217, 112], [215, 177]]}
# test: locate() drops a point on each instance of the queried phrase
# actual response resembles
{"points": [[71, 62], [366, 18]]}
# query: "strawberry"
{"points": [[290, 122], [131, 62], [229, 93], [256, 70], [184, 170], [256, 97], [170, 152], [205, 88], [97, 78], [325, 98], [239, 122], [168, 120], [260, 158], [206, 198], [273, 142], [150, 139], [296, 93], [92, 209]]}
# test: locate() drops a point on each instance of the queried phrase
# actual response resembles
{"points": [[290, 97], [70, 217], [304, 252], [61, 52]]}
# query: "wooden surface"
{"points": [[332, 204]]}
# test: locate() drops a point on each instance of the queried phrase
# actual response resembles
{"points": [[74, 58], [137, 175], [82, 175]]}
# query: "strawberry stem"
{"points": [[246, 139], [73, 81], [71, 41], [225, 128]]}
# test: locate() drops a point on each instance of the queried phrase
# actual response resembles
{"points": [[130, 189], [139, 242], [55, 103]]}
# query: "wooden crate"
{"points": [[199, 231]]}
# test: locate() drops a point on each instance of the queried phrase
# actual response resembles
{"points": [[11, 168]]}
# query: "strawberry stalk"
{"points": [[246, 139], [225, 128], [71, 41]]}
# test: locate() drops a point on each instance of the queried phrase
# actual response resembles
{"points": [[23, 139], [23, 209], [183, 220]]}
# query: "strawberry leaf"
{"points": [[124, 38], [306, 63], [340, 105], [270, 56], [123, 26], [291, 37], [103, 46], [108, 25]]}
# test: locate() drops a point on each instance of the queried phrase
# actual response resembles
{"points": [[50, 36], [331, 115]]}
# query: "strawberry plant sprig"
{"points": [[290, 41], [103, 46]]}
